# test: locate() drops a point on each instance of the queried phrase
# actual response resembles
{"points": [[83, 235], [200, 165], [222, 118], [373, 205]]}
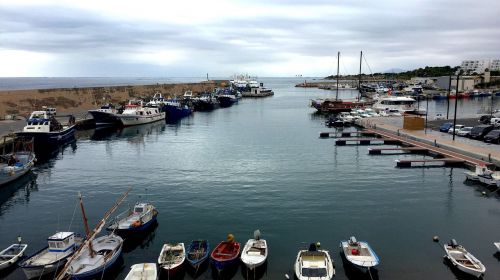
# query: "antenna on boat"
{"points": [[338, 65]]}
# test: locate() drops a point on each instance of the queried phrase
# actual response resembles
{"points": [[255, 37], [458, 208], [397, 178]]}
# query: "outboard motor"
{"points": [[453, 243], [353, 241]]}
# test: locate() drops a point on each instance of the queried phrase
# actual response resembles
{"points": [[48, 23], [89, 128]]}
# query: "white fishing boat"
{"points": [[96, 255], [61, 246], [359, 253], [11, 254], [135, 113], [314, 264], [463, 260], [140, 218], [142, 271], [171, 258], [255, 252]]}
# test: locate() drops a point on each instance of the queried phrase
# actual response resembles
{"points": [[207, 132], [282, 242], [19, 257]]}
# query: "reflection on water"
{"points": [[17, 192]]}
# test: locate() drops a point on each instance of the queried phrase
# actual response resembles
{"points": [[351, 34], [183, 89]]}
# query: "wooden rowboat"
{"points": [[226, 253], [463, 260]]}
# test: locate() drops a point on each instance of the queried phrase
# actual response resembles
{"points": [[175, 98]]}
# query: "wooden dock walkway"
{"points": [[443, 161], [378, 151], [366, 141], [433, 149]]}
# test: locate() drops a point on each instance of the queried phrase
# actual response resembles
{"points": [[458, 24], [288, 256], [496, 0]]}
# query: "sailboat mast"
{"points": [[359, 77], [85, 222], [338, 65]]}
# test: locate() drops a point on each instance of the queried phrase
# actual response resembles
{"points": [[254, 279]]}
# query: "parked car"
{"points": [[485, 119], [456, 129], [439, 116], [464, 131], [492, 136], [445, 127], [478, 132], [495, 122]]}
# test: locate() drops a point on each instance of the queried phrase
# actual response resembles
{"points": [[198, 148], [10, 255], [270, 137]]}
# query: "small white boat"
{"points": [[463, 260], [11, 255], [140, 218], [142, 271], [255, 252], [474, 175], [61, 246], [171, 258], [359, 253], [488, 177], [497, 244], [314, 264]]}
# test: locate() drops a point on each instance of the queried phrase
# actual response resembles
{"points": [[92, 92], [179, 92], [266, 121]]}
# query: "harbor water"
{"points": [[260, 165]]}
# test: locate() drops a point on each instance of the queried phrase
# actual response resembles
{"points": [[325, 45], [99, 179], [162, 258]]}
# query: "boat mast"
{"points": [[88, 241], [359, 77], [338, 64], [85, 222]]}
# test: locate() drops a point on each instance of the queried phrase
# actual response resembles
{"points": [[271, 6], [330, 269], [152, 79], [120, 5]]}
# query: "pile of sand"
{"points": [[22, 102]]}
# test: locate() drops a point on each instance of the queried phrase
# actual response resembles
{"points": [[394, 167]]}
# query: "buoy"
{"points": [[483, 193], [435, 238], [286, 276], [318, 244]]}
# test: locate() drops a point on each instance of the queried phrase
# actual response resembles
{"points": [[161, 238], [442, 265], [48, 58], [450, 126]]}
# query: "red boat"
{"points": [[226, 253]]}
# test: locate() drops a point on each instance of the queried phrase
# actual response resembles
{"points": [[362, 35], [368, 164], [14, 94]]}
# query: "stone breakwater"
{"points": [[23, 102]]}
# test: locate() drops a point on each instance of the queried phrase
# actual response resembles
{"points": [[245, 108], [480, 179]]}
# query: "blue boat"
{"points": [[197, 253], [227, 97], [47, 131], [176, 110]]}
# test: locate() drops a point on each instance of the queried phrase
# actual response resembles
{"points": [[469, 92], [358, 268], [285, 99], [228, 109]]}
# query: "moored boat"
{"points": [[47, 260], [497, 245], [142, 271], [171, 258], [463, 260], [197, 253], [46, 130], [205, 102], [135, 113], [105, 115], [138, 219], [474, 175], [226, 97], [176, 110], [226, 253], [17, 163], [359, 253], [96, 255], [255, 252], [314, 264], [336, 106], [10, 255]]}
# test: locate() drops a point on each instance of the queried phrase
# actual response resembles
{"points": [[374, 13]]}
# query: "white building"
{"points": [[495, 65], [475, 66]]}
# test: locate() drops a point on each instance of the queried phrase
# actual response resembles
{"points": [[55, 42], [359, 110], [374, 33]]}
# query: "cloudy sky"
{"points": [[185, 38]]}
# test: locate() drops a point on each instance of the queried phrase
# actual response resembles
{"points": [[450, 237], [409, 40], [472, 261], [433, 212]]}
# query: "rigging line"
{"points": [[369, 68], [73, 217]]}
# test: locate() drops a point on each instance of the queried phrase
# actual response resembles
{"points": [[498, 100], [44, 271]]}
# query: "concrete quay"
{"points": [[461, 146]]}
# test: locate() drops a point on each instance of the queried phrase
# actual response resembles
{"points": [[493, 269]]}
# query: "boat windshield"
{"points": [[314, 272], [138, 210]]}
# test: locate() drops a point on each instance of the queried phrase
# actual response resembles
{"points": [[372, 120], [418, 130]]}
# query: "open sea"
{"points": [[259, 165]]}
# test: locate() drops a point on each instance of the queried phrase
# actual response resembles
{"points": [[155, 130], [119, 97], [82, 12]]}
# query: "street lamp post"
{"points": [[426, 113], [448, 100], [456, 100]]}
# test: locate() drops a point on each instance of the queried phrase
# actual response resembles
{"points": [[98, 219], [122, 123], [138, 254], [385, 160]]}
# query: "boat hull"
{"points": [[130, 120], [10, 257], [361, 264], [258, 255], [97, 272], [202, 105], [44, 139], [195, 263], [14, 173], [173, 113], [222, 260], [104, 118], [144, 227], [142, 271], [226, 101]]}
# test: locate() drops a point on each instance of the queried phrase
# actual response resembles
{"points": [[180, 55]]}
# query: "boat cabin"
{"points": [[140, 208], [61, 241], [41, 121]]}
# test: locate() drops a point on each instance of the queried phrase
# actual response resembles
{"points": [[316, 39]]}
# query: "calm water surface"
{"points": [[259, 164]]}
